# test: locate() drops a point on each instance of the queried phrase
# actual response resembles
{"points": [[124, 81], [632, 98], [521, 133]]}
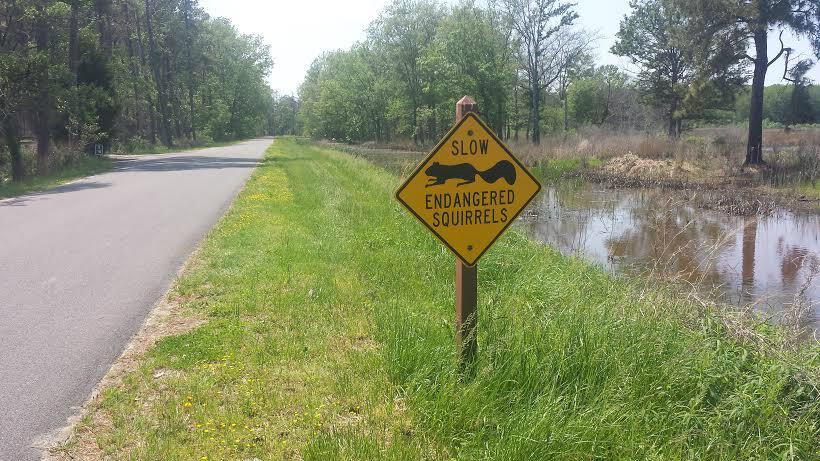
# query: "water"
{"points": [[767, 261]]}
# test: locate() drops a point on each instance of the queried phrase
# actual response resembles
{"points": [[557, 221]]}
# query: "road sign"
{"points": [[469, 189]]}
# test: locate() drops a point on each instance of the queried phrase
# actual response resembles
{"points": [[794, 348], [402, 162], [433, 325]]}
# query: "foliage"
{"points": [[730, 27], [79, 168], [545, 48], [683, 77], [420, 57], [285, 115], [531, 71], [778, 104], [592, 100], [79, 72]]}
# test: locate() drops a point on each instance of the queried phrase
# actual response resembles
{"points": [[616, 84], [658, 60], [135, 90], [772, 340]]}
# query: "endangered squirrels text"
{"points": [[439, 174]]}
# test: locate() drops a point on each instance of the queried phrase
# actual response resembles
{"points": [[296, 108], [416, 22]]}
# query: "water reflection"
{"points": [[769, 261]]}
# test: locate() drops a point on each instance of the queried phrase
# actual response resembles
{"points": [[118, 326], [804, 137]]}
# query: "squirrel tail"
{"points": [[503, 169]]}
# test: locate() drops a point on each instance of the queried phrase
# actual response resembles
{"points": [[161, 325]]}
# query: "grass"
{"points": [[151, 149], [397, 161], [329, 335], [810, 190], [402, 162], [555, 169], [84, 166]]}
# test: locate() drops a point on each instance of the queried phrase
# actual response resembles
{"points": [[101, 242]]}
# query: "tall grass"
{"points": [[574, 364], [705, 154], [800, 165]]}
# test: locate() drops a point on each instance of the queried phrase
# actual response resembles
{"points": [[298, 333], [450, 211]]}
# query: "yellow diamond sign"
{"points": [[469, 189]]}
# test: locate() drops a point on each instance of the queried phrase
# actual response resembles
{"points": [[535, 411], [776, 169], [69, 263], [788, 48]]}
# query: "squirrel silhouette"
{"points": [[439, 174]]}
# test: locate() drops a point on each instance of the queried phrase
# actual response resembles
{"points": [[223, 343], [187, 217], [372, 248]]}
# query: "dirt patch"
{"points": [[630, 165], [631, 170], [77, 441]]}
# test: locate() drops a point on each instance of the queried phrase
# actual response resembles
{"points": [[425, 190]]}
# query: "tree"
{"points": [[573, 50], [13, 82], [800, 107], [159, 77], [538, 25], [403, 31], [285, 115], [474, 47], [591, 99], [403, 78], [737, 24], [647, 38], [78, 72], [190, 40]]}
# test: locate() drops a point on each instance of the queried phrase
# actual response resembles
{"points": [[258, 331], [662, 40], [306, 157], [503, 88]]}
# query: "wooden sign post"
{"points": [[466, 283], [468, 191]]}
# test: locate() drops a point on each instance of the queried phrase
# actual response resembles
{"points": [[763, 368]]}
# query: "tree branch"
{"points": [[782, 50]]}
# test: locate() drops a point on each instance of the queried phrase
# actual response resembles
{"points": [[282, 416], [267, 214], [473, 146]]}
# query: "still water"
{"points": [[766, 261]]}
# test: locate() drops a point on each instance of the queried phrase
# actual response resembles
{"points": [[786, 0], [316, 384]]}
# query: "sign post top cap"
{"points": [[466, 100]]}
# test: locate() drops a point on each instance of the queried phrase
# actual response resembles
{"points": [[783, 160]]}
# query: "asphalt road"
{"points": [[82, 265]]}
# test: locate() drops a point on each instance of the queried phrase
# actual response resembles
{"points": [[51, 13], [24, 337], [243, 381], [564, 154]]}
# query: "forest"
{"points": [[123, 75], [85, 76], [532, 68]]}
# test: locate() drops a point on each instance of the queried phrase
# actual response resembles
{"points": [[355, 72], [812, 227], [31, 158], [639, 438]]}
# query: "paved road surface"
{"points": [[82, 265]]}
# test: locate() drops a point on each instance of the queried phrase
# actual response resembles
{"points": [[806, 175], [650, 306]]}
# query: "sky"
{"points": [[300, 30]]}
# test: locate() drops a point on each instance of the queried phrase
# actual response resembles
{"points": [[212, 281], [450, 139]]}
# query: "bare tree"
{"points": [[745, 24], [538, 25], [572, 49]]}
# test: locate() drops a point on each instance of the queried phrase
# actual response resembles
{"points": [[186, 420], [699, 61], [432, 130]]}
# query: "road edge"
{"points": [[166, 318]]}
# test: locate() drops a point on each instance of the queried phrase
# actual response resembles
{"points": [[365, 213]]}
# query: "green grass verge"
{"points": [[160, 149], [810, 190], [85, 166], [329, 335], [553, 170]]}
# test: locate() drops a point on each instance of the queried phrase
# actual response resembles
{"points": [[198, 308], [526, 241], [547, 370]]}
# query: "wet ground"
{"points": [[771, 262]]}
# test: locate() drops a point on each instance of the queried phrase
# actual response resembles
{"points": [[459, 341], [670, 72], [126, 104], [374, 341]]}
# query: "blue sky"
{"points": [[300, 30]]}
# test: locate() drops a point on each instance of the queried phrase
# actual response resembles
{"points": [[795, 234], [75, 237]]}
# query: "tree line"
{"points": [[531, 67], [783, 105], [126, 74]]}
